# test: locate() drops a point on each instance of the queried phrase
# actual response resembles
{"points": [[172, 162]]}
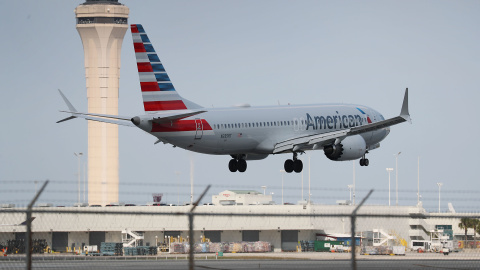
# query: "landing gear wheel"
{"points": [[288, 166], [364, 162], [298, 166], [232, 165], [241, 165]]}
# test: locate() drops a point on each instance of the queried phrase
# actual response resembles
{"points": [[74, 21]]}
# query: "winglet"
{"points": [[404, 112]]}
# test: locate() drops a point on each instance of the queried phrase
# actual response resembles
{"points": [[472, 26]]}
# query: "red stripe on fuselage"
{"points": [[149, 86], [179, 125], [164, 105], [139, 47], [144, 67]]}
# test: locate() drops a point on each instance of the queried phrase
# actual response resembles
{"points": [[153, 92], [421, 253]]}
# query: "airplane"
{"points": [[342, 131], [20, 224]]}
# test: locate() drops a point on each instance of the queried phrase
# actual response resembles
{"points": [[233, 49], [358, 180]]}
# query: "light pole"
{"points": [[350, 190], [389, 170], [84, 181], [418, 182], [282, 171], [79, 155], [439, 187], [353, 182], [264, 188], [191, 180], [309, 194], [396, 176], [302, 185], [178, 187]]}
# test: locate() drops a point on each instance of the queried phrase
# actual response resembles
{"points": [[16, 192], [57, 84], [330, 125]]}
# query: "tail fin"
{"points": [[158, 92], [25, 222]]}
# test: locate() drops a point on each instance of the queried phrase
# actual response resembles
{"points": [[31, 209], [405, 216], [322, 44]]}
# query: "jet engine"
{"points": [[351, 148]]}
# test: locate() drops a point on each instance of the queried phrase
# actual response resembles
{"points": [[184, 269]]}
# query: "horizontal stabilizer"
{"points": [[106, 118], [66, 119], [173, 116]]}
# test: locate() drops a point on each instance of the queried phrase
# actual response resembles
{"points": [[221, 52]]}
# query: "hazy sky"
{"points": [[221, 53]]}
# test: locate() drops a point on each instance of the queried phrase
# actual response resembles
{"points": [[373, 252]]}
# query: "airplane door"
{"points": [[199, 128]]}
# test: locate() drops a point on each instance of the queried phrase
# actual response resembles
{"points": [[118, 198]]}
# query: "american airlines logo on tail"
{"points": [[158, 92]]}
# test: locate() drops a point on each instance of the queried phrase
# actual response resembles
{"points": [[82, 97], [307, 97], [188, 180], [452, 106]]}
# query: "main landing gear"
{"points": [[237, 163], [293, 165], [364, 161]]}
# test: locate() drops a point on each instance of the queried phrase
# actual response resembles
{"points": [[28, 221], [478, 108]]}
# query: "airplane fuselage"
{"points": [[254, 131]]}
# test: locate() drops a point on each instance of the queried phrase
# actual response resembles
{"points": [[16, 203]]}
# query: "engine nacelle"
{"points": [[351, 148]]}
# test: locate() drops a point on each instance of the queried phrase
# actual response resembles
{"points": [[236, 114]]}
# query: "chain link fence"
{"points": [[180, 236]]}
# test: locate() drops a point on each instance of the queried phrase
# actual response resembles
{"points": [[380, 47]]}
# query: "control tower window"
{"points": [[115, 20], [85, 20], [120, 20]]}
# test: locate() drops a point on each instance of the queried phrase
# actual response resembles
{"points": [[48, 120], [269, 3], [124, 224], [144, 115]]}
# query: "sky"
{"points": [[222, 53]]}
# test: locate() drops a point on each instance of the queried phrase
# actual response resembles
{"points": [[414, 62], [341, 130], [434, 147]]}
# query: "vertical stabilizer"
{"points": [[158, 92]]}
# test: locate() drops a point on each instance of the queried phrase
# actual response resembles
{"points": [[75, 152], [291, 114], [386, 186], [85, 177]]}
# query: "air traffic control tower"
{"points": [[102, 25]]}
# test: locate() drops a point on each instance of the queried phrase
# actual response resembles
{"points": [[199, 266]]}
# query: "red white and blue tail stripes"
{"points": [[158, 92]]}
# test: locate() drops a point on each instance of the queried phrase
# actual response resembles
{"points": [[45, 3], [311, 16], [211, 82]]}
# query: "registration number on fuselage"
{"points": [[226, 136]]}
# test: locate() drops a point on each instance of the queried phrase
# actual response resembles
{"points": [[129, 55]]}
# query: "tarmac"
{"points": [[462, 255]]}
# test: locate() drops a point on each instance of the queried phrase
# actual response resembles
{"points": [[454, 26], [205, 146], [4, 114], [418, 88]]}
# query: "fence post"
{"points": [[191, 262], [28, 244], [353, 218]]}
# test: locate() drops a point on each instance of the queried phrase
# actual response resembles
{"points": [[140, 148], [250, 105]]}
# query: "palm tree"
{"points": [[464, 224], [475, 224]]}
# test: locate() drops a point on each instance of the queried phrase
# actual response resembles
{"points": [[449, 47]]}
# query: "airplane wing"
{"points": [[319, 140], [125, 120]]}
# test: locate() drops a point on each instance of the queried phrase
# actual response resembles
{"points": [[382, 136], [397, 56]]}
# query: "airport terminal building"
{"points": [[283, 226]]}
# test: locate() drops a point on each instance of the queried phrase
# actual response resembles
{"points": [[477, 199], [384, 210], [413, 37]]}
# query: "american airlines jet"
{"points": [[343, 132]]}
